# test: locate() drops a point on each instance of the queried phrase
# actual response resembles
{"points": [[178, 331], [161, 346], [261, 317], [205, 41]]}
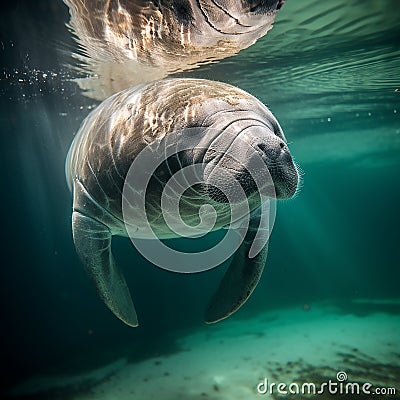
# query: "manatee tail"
{"points": [[244, 272], [93, 244]]}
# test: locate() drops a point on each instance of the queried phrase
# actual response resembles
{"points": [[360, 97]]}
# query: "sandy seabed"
{"points": [[228, 361]]}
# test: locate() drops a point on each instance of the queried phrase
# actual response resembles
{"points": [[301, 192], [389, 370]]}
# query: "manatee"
{"points": [[125, 42], [222, 128]]}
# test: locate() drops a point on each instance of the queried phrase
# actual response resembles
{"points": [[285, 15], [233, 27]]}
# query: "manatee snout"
{"points": [[280, 164], [285, 176], [260, 161]]}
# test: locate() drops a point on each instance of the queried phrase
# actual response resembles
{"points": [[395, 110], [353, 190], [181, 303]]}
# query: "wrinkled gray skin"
{"points": [[125, 42], [118, 129]]}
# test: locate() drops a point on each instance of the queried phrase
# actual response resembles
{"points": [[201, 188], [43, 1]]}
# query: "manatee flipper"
{"points": [[245, 271], [93, 244]]}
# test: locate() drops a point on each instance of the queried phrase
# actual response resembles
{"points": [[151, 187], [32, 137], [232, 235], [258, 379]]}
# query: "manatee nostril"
{"points": [[261, 6], [254, 5], [280, 4], [272, 150], [263, 147]]}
